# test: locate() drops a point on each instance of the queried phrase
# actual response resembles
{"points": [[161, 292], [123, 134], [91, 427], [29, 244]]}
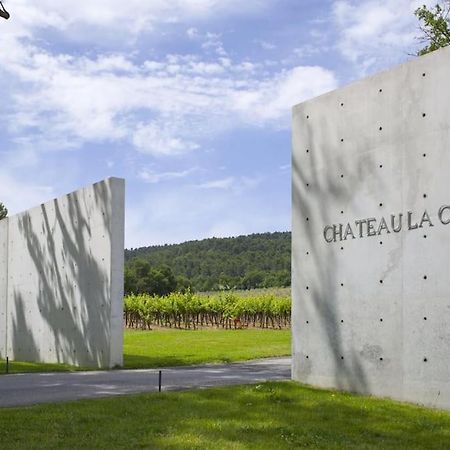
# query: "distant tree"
{"points": [[130, 281], [253, 279], [142, 278], [435, 26], [161, 281], [3, 211], [282, 278], [183, 284]]}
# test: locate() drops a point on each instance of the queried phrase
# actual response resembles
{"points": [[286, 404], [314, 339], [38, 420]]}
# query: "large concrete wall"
{"points": [[371, 303], [61, 279]]}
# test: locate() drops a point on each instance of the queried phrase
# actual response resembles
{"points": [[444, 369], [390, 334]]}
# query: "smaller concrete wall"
{"points": [[61, 279]]}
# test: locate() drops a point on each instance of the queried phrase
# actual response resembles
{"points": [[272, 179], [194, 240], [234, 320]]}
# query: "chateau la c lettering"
{"points": [[395, 223]]}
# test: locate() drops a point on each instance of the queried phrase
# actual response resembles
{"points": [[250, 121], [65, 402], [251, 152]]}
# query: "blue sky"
{"points": [[188, 100]]}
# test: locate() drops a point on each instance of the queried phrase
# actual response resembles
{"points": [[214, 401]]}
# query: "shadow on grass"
{"points": [[290, 416], [15, 367], [269, 415]]}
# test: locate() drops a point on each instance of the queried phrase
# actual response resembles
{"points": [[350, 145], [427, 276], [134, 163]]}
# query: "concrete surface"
{"points": [[371, 303], [29, 389], [61, 279]]}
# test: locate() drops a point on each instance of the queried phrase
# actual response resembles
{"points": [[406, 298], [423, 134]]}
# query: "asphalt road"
{"points": [[30, 389]]}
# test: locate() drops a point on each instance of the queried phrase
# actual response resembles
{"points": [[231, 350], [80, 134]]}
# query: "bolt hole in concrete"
{"points": [[423, 74], [424, 155], [381, 242], [342, 357], [424, 115], [307, 150], [381, 204], [424, 318], [342, 140], [381, 319], [381, 90], [342, 176], [307, 253], [307, 287], [307, 117], [381, 281], [342, 212], [342, 321], [424, 195], [381, 128], [381, 359], [381, 166], [307, 357], [342, 284], [342, 104], [425, 359], [307, 321], [342, 248]]}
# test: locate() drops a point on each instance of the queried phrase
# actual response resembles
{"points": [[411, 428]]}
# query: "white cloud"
{"points": [[133, 16], [272, 100], [154, 140], [192, 33], [224, 183], [235, 184], [151, 176], [376, 33], [162, 107], [212, 42], [265, 45], [31, 194]]}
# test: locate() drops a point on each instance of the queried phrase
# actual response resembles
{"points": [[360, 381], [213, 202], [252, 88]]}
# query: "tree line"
{"points": [[243, 262]]}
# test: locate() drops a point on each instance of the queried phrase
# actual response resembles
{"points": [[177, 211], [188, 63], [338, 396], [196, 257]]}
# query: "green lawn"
{"points": [[26, 367], [162, 348], [265, 416], [183, 347]]}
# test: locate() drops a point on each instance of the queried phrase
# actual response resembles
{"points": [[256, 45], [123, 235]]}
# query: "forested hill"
{"points": [[257, 260]]}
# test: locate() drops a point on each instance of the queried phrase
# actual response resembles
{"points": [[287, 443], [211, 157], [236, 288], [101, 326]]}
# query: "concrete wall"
{"points": [[371, 303], [61, 279]]}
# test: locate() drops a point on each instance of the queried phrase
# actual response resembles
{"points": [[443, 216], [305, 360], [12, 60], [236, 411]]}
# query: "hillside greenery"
{"points": [[243, 262]]}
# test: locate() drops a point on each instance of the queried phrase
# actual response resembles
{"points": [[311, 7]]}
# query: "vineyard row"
{"points": [[225, 310]]}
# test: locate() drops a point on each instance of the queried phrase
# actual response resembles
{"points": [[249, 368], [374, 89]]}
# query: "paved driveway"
{"points": [[29, 389]]}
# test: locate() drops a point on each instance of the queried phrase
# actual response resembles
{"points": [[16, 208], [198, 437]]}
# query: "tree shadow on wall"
{"points": [[61, 313], [308, 179]]}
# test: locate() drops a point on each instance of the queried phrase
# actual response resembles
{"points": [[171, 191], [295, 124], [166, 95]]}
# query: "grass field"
{"points": [[26, 367], [265, 416], [159, 348], [162, 348]]}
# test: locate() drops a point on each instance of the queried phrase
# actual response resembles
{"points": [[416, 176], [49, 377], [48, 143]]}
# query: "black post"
{"points": [[160, 380], [7, 364]]}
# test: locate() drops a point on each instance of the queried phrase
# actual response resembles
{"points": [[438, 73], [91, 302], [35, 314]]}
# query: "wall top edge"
{"points": [[437, 54], [107, 180]]}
